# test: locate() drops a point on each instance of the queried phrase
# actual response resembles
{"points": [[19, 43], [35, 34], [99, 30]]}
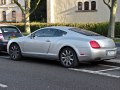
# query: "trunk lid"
{"points": [[104, 42]]}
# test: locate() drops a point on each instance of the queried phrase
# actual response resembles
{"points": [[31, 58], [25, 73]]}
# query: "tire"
{"points": [[68, 57], [15, 52]]}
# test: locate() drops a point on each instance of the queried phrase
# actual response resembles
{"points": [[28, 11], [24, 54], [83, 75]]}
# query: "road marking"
{"points": [[95, 72], [109, 69], [108, 65], [3, 85]]}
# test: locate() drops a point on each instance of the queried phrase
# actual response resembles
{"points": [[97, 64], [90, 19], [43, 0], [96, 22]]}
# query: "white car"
{"points": [[69, 45]]}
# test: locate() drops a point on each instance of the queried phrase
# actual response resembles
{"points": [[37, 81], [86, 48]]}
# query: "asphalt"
{"points": [[39, 74]]}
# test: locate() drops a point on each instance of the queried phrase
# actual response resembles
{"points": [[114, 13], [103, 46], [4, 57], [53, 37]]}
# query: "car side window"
{"points": [[45, 33], [59, 33], [39, 33], [54, 33], [49, 32]]}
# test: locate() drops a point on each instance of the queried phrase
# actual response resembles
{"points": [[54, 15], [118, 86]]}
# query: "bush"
{"points": [[101, 28]]}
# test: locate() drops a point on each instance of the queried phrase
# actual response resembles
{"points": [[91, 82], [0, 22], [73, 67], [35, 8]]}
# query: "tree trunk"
{"points": [[26, 11], [27, 14], [27, 24], [111, 29]]}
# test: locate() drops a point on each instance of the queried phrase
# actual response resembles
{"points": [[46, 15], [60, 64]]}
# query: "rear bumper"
{"points": [[103, 53], [98, 54], [3, 46]]}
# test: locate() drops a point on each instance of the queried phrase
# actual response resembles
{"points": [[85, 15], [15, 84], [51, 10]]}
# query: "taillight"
{"points": [[94, 44], [1, 37]]}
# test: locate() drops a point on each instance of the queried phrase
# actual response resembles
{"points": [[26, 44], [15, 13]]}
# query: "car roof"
{"points": [[64, 28], [2, 25]]}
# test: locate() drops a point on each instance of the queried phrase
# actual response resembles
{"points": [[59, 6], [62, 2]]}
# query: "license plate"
{"points": [[111, 53]]}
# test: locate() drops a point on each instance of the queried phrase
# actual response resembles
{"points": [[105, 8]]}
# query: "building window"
{"points": [[3, 2], [4, 16], [14, 16], [93, 5], [79, 5], [86, 5]]}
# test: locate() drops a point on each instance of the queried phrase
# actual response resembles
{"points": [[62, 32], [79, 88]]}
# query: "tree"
{"points": [[27, 12], [40, 14], [112, 5]]}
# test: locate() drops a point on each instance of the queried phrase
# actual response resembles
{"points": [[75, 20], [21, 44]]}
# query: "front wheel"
{"points": [[15, 52], [68, 57]]}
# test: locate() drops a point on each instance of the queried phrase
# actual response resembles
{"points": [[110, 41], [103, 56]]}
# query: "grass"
{"points": [[117, 40], [25, 34]]}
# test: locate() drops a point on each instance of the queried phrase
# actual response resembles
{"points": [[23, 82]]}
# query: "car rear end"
{"points": [[102, 48], [7, 33], [96, 47]]}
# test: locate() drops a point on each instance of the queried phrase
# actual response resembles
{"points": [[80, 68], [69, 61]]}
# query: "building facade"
{"points": [[78, 11], [10, 12]]}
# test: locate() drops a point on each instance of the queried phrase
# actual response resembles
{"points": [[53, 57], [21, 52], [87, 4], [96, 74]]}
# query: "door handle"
{"points": [[47, 40]]}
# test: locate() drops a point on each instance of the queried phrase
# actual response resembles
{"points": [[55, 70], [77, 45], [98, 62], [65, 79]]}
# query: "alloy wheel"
{"points": [[14, 51], [68, 57]]}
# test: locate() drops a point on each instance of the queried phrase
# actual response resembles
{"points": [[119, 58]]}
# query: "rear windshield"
{"points": [[10, 30], [84, 32]]}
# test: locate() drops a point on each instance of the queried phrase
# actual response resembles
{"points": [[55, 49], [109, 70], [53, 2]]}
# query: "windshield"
{"points": [[84, 32]]}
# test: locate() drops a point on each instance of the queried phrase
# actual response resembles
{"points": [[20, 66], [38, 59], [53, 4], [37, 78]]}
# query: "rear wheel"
{"points": [[15, 52], [68, 57]]}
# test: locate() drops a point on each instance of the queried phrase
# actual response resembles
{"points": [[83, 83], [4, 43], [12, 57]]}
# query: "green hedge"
{"points": [[100, 28]]}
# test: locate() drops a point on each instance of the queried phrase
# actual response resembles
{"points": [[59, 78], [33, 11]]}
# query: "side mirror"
{"points": [[32, 36]]}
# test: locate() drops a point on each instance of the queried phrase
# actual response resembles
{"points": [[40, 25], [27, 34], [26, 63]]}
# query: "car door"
{"points": [[37, 43]]}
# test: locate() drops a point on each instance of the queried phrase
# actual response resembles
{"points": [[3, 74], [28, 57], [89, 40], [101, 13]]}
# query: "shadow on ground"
{"points": [[51, 62]]}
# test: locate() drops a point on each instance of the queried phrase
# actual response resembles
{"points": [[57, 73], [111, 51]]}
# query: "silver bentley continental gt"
{"points": [[69, 45]]}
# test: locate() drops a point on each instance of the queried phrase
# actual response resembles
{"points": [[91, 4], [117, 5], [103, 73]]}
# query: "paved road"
{"points": [[37, 74]]}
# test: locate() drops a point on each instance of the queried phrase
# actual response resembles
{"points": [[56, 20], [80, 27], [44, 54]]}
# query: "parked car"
{"points": [[69, 45], [8, 32]]}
